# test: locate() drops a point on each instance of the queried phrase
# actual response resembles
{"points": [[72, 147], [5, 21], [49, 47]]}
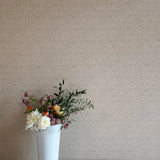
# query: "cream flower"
{"points": [[32, 120], [44, 122]]}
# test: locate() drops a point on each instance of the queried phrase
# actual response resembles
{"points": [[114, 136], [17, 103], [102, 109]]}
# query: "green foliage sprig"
{"points": [[71, 102]]}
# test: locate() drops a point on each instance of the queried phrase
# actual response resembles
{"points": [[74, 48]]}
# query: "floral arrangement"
{"points": [[53, 109]]}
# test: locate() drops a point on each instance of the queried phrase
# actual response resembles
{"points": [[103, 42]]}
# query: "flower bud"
{"points": [[50, 97], [52, 107], [26, 94], [25, 102], [29, 108], [48, 105], [31, 97], [45, 113]]}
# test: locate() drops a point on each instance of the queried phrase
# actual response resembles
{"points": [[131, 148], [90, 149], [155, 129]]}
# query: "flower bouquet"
{"points": [[49, 114]]}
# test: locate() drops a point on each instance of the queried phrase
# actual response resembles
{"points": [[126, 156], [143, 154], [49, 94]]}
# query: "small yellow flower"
{"points": [[57, 109]]}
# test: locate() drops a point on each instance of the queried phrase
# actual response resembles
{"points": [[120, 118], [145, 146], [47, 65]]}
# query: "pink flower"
{"points": [[25, 102], [58, 121], [51, 116], [31, 97], [50, 97], [26, 94], [53, 121], [42, 102], [66, 125]]}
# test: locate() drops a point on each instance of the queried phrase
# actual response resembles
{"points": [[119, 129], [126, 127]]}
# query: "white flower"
{"points": [[32, 120], [44, 122]]}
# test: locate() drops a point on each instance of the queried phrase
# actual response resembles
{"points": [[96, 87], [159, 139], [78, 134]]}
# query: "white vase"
{"points": [[48, 141]]}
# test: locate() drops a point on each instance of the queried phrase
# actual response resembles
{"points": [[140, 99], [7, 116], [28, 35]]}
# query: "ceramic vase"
{"points": [[48, 141]]}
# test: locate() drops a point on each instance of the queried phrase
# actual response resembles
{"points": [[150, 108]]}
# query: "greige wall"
{"points": [[109, 47]]}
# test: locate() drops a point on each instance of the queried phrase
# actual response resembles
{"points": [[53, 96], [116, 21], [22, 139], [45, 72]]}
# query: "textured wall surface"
{"points": [[109, 47]]}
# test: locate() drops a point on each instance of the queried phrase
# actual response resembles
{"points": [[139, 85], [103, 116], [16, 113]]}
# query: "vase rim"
{"points": [[53, 127]]}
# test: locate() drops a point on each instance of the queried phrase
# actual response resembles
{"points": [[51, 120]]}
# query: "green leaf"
{"points": [[56, 94]]}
